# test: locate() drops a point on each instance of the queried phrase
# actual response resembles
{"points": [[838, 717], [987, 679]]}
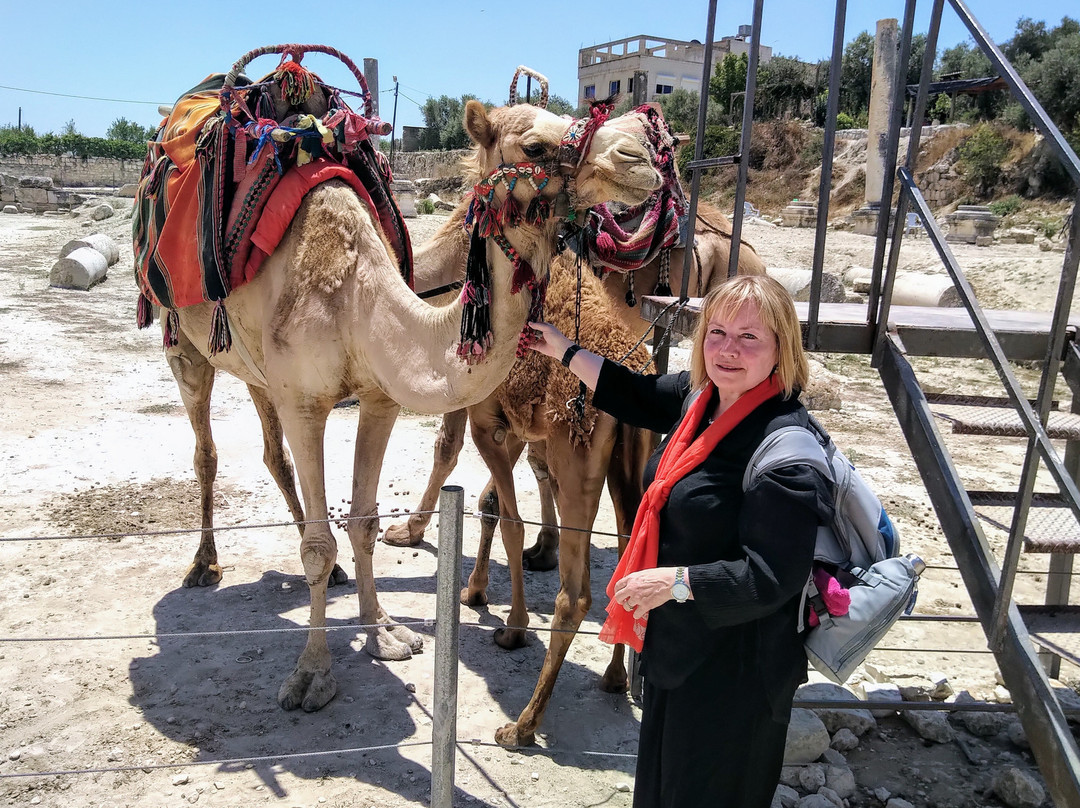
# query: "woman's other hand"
{"points": [[549, 341]]}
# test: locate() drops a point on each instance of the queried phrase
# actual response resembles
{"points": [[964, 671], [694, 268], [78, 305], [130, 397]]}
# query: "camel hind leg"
{"points": [[276, 459], [580, 473], [448, 446], [195, 378], [544, 555]]}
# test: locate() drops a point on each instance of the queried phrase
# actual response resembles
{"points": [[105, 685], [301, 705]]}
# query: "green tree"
{"points": [[729, 76], [15, 141], [1055, 80], [69, 128], [128, 131], [784, 86], [444, 119], [856, 68], [981, 156], [966, 61]]}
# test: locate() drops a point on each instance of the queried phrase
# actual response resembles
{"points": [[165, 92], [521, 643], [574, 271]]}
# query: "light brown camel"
{"points": [[329, 316]]}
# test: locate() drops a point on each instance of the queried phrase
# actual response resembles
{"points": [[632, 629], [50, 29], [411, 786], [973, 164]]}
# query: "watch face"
{"points": [[680, 591]]}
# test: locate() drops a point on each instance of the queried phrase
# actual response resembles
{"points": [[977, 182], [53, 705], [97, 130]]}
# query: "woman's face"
{"points": [[740, 352]]}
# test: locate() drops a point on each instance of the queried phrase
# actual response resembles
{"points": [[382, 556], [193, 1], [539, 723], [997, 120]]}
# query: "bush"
{"points": [[425, 206], [1006, 206], [720, 141], [981, 156], [844, 121]]}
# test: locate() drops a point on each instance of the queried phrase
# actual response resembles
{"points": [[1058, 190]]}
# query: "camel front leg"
{"points": [[276, 459], [631, 451], [195, 378], [311, 685], [448, 445], [544, 555], [580, 475], [372, 434], [500, 449]]}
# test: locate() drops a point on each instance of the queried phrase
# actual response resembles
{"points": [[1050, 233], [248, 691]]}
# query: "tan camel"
{"points": [[329, 316], [710, 266]]}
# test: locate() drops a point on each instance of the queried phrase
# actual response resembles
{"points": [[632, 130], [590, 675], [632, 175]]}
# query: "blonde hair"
{"points": [[777, 311]]}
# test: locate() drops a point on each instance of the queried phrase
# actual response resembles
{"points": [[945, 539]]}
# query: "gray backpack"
{"points": [[860, 548]]}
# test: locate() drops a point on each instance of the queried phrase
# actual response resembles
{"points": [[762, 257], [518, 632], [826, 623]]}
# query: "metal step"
{"points": [[1003, 421], [1055, 629], [1051, 526]]}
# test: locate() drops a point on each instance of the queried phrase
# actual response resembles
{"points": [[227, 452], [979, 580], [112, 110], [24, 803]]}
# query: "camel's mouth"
{"points": [[630, 183]]}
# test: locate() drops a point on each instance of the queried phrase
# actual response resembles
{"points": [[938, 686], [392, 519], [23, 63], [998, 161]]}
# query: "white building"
{"points": [[645, 67]]}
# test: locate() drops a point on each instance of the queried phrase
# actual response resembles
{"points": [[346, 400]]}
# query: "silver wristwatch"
{"points": [[679, 590]]}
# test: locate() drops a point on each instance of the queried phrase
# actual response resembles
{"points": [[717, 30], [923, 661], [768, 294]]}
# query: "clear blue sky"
{"points": [[142, 52]]}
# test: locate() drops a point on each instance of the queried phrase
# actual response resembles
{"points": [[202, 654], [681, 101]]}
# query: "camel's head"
{"points": [[614, 167]]}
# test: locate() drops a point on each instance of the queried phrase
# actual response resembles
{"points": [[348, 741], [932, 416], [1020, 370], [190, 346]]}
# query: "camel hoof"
{"points": [[409, 637], [381, 644], [399, 536], [470, 598], [540, 558], [338, 576], [510, 638], [311, 690], [511, 735], [614, 681], [202, 575]]}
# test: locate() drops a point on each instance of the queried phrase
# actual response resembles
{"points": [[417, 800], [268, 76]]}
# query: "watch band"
{"points": [[569, 355]]}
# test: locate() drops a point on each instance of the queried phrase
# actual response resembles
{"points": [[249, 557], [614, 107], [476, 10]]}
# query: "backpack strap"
{"points": [[787, 446]]}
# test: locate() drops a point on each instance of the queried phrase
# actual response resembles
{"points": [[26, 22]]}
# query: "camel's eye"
{"points": [[534, 151]]}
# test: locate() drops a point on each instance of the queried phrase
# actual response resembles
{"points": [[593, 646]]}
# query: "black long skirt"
{"points": [[708, 743]]}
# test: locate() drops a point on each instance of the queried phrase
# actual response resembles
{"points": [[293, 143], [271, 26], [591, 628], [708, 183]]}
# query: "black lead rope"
{"points": [[440, 290], [577, 403]]}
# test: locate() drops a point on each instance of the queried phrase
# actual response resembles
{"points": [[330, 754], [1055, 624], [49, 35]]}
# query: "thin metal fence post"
{"points": [[447, 612]]}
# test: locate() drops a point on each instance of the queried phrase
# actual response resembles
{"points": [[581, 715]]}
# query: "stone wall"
{"points": [[35, 195], [433, 164], [74, 172]]}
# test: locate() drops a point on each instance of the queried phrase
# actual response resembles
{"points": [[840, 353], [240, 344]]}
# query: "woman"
{"points": [[714, 573]]}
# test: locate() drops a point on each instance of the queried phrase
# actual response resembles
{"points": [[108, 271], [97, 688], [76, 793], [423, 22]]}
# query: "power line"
{"points": [[82, 97]]}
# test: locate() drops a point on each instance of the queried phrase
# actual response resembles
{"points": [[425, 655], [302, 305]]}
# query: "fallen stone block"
{"points": [[80, 269], [807, 738], [10, 209], [797, 282], [35, 182], [101, 242], [128, 190], [102, 211]]}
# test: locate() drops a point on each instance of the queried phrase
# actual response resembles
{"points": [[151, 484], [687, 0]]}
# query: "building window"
{"points": [[663, 89], [590, 91], [614, 88], [630, 85]]}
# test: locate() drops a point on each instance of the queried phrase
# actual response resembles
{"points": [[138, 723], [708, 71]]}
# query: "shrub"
{"points": [[981, 156], [844, 121], [1006, 206], [425, 206]]}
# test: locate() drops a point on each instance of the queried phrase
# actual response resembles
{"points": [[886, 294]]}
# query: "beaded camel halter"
{"points": [[628, 239], [488, 218]]}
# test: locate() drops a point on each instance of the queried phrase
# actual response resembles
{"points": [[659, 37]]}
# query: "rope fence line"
{"points": [[430, 623]]}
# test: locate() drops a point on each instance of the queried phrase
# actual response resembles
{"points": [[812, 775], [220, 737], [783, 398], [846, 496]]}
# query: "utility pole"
{"points": [[393, 124], [20, 119]]}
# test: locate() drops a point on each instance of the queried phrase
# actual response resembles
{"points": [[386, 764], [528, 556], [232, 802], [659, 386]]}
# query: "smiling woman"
{"points": [[709, 588]]}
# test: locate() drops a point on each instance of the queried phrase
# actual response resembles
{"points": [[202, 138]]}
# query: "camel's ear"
{"points": [[477, 124]]}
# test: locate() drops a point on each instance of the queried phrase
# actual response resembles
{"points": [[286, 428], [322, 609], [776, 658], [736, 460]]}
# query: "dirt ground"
{"points": [[130, 690]]}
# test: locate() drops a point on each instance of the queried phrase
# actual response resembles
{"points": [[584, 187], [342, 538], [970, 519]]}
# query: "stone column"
{"points": [[882, 90], [371, 76]]}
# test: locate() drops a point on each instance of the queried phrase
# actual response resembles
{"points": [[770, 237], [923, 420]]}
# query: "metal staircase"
{"points": [[1029, 641]]}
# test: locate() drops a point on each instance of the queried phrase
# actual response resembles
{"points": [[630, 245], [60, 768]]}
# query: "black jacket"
{"points": [[748, 554]]}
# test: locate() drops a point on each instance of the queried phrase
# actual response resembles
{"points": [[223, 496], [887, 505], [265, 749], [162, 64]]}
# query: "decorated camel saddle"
{"points": [[230, 167]]}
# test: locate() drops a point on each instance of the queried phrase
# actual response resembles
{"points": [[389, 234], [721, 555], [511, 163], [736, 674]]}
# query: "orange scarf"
{"points": [[681, 456]]}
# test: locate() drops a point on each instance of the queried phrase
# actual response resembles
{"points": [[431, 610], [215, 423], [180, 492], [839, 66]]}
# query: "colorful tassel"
{"points": [[296, 81], [510, 213], [663, 279], [171, 333], [631, 298], [220, 335], [144, 313]]}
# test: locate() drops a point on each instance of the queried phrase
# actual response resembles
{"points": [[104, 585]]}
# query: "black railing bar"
{"points": [[744, 138], [713, 162], [699, 153], [916, 706], [881, 287], [1066, 485], [1051, 365], [832, 107], [925, 77], [1032, 107]]}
